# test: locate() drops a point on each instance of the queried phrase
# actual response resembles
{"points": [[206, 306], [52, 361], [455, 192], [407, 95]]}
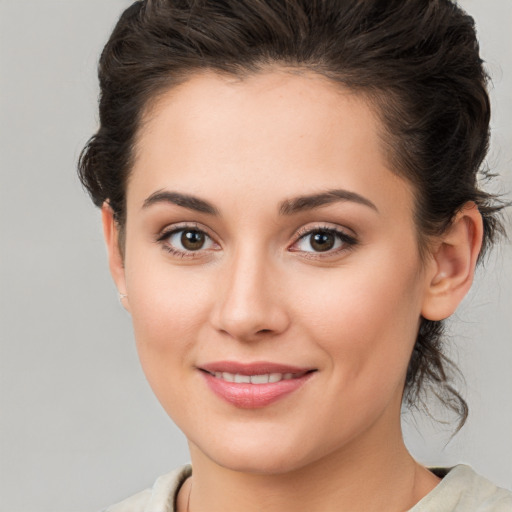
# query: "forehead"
{"points": [[284, 132], [277, 106]]}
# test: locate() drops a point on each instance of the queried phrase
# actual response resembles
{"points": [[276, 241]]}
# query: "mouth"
{"points": [[254, 385], [264, 378]]}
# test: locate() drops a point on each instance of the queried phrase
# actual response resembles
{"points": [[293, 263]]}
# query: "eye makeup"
{"points": [[191, 240]]}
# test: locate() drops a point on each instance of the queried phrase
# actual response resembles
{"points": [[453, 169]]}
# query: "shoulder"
{"points": [[463, 490], [160, 497], [135, 503]]}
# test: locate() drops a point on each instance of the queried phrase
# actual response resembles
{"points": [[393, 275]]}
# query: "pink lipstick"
{"points": [[253, 385]]}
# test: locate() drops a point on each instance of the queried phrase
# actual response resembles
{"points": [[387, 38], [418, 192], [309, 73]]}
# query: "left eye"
{"points": [[189, 240], [322, 240]]}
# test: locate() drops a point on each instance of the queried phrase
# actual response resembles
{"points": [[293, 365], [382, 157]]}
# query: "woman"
{"points": [[290, 205]]}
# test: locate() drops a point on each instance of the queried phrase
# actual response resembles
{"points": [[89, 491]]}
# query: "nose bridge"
{"points": [[249, 302]]}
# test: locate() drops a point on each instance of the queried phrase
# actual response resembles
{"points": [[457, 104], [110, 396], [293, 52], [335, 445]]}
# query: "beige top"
{"points": [[461, 490]]}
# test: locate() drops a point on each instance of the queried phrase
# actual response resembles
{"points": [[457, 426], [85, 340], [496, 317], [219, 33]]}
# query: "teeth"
{"points": [[259, 379], [253, 379]]}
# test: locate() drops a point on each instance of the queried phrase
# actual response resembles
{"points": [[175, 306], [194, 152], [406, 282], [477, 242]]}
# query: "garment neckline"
{"points": [[446, 474]]}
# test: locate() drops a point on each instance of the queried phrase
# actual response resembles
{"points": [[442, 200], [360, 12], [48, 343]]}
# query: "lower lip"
{"points": [[253, 396]]}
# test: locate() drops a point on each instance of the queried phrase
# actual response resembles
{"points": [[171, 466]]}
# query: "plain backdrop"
{"points": [[79, 426]]}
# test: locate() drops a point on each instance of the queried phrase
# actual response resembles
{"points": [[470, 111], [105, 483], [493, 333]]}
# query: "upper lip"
{"points": [[256, 368]]}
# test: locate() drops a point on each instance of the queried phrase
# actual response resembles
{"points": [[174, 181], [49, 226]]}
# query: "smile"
{"points": [[265, 378], [254, 385]]}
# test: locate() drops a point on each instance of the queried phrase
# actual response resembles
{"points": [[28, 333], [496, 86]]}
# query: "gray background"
{"points": [[79, 426]]}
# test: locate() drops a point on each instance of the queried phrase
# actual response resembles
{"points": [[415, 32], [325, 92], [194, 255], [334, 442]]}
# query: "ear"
{"points": [[453, 264], [115, 258]]}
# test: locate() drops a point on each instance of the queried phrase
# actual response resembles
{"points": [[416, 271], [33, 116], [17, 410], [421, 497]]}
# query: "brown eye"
{"points": [[192, 240], [187, 240], [322, 241]]}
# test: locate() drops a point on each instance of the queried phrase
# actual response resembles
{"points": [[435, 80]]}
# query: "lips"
{"points": [[253, 385]]}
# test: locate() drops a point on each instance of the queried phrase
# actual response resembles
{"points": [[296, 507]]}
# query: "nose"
{"points": [[249, 305]]}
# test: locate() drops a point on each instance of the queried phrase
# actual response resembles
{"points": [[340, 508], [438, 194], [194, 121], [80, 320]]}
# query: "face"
{"points": [[268, 242]]}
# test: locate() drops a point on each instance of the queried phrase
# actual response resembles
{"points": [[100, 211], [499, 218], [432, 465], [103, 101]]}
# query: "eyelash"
{"points": [[165, 235], [348, 241]]}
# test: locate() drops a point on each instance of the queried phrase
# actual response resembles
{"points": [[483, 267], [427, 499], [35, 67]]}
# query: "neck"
{"points": [[365, 475]]}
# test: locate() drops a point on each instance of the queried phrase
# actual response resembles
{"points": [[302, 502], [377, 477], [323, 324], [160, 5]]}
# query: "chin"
{"points": [[258, 456], [264, 463]]}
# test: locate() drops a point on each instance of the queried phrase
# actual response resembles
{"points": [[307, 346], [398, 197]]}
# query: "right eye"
{"points": [[185, 240]]}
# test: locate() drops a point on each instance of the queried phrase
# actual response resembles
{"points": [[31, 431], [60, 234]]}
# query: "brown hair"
{"points": [[417, 62]]}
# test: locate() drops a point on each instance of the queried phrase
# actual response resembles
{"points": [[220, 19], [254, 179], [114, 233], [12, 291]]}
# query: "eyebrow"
{"points": [[179, 199], [310, 202], [287, 207]]}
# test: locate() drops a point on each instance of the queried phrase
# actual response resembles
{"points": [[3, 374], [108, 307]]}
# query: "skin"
{"points": [[257, 291]]}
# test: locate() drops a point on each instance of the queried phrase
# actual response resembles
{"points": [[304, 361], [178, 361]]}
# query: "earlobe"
{"points": [[453, 264], [115, 258]]}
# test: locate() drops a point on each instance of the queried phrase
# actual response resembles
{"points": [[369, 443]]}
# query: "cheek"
{"points": [[163, 314], [365, 319], [168, 307]]}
